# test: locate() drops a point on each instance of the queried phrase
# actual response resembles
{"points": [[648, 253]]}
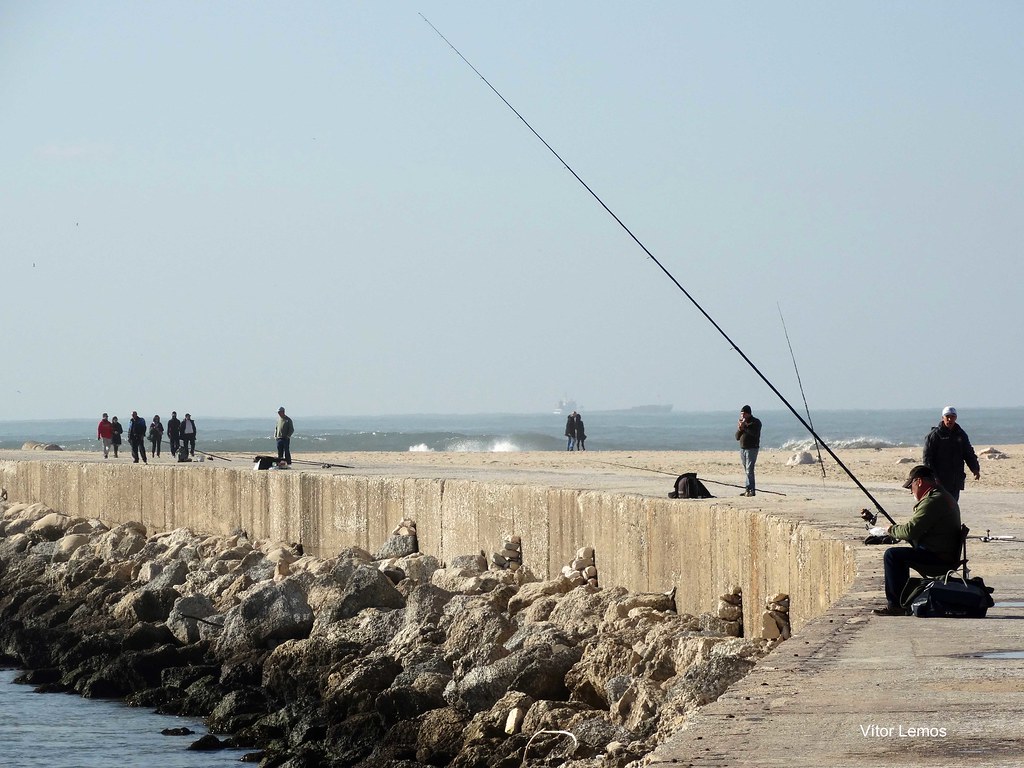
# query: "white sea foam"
{"points": [[807, 444], [422, 447], [483, 446]]}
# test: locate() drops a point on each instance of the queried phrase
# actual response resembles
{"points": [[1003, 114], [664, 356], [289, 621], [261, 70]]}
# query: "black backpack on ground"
{"points": [[689, 487]]}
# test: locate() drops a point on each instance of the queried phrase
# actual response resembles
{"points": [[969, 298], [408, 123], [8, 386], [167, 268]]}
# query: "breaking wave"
{"points": [[807, 444]]}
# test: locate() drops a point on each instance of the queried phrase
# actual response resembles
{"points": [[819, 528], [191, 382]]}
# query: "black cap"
{"points": [[920, 471], [745, 409]]}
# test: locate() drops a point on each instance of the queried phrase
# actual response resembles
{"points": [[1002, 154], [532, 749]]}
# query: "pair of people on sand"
{"points": [[577, 437]]}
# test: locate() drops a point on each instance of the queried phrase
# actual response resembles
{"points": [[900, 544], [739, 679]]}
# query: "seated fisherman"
{"points": [[934, 535]]}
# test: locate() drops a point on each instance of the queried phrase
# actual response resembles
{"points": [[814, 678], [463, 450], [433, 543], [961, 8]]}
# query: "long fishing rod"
{"points": [[668, 274], [807, 408], [676, 474]]}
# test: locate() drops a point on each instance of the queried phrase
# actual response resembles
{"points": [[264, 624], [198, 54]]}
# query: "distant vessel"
{"points": [[651, 408], [643, 409], [565, 406]]}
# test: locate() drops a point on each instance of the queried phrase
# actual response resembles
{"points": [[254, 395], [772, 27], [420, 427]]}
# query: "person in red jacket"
{"points": [[105, 432]]}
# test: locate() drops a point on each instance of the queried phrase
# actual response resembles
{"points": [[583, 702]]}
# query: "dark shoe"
{"points": [[890, 610]]}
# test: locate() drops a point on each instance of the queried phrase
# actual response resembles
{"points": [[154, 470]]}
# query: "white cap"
{"points": [[949, 410]]}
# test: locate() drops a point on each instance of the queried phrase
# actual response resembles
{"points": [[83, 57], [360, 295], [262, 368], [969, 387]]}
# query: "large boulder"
{"points": [[121, 541], [194, 618], [269, 613], [418, 567], [20, 517], [366, 587], [440, 736], [397, 546], [159, 575], [528, 594], [145, 605], [475, 631], [538, 672], [67, 545], [581, 611], [50, 527]]}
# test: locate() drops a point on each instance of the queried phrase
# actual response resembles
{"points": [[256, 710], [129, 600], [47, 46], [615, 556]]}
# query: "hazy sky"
{"points": [[221, 207]]}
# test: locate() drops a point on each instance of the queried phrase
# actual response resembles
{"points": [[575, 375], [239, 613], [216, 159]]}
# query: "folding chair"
{"points": [[933, 572]]}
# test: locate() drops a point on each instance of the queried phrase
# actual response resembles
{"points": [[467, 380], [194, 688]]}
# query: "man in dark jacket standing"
{"points": [[174, 432], [946, 449], [137, 437], [748, 432]]}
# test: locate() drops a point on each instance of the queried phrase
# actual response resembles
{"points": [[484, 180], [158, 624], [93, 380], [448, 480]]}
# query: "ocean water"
{"points": [[606, 430], [58, 730]]}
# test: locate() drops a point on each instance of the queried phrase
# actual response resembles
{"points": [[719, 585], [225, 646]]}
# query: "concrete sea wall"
{"points": [[644, 544]]}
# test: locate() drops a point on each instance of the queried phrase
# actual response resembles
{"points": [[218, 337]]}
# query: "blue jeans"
{"points": [[749, 458], [284, 449], [898, 562]]}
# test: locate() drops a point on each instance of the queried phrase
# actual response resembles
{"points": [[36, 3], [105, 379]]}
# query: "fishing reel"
{"points": [[876, 534]]}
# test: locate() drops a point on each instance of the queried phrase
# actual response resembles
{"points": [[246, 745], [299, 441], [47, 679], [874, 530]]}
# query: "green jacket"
{"points": [[934, 526]]}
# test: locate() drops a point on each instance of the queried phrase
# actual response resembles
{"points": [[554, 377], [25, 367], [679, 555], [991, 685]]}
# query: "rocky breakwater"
{"points": [[357, 660]]}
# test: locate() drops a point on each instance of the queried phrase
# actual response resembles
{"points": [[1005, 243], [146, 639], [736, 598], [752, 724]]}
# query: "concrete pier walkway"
{"points": [[854, 689]]}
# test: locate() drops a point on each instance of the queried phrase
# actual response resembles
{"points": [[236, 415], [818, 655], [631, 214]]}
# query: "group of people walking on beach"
{"points": [[180, 432]]}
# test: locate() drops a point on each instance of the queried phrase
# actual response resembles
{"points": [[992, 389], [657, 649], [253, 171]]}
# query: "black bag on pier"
{"points": [[952, 597], [264, 462], [689, 487]]}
